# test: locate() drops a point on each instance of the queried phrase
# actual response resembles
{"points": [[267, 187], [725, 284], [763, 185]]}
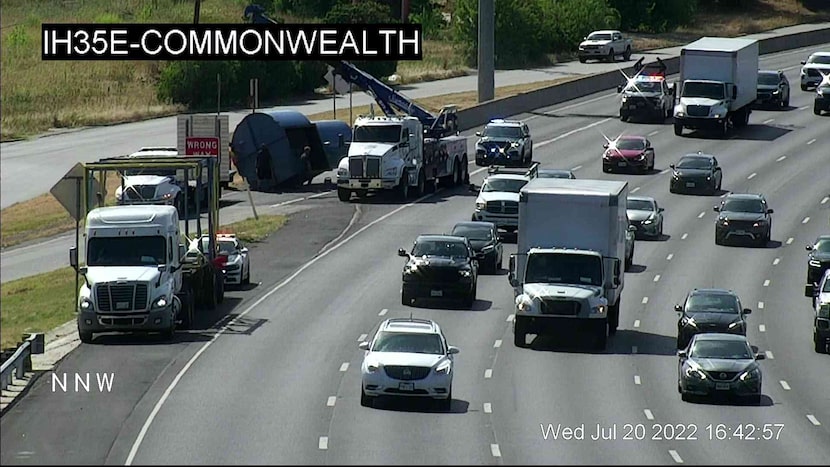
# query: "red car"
{"points": [[628, 152]]}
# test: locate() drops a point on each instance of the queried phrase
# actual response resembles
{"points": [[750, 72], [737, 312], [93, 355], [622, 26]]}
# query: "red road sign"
{"points": [[201, 146]]}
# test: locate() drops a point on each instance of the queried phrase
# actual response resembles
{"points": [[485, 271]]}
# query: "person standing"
{"points": [[305, 158]]}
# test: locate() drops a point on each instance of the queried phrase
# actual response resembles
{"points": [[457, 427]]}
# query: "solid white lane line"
{"points": [[825, 199], [766, 283], [383, 312], [576, 168], [635, 189], [291, 201], [811, 141], [813, 419], [565, 135], [362, 337], [806, 220], [323, 444], [776, 261], [494, 449], [657, 278], [344, 366], [700, 216], [649, 415], [790, 241], [637, 380], [751, 176], [770, 356], [488, 408], [684, 236], [636, 323], [645, 300], [488, 373], [724, 195], [780, 159], [664, 171], [331, 401], [497, 344], [760, 305], [654, 132], [769, 120], [670, 256], [785, 385], [319, 195], [762, 328], [674, 455]]}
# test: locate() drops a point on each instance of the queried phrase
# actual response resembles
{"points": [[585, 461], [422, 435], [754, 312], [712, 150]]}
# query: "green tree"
{"points": [[365, 12]]}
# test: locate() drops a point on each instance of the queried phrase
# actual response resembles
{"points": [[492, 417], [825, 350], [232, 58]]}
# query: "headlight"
{"points": [[488, 248], [444, 368], [160, 302], [759, 223], [724, 221], [815, 263], [716, 115], [87, 305], [681, 114], [480, 205], [523, 303], [410, 268], [675, 176], [598, 310], [642, 157], [465, 272], [777, 91], [167, 196], [695, 373], [750, 375], [690, 322], [371, 368], [624, 98], [824, 311], [342, 172], [708, 178], [734, 324], [648, 221]]}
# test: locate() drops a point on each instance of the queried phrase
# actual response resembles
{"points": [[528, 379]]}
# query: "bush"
{"points": [[655, 16], [568, 21], [428, 15], [306, 8], [366, 12]]}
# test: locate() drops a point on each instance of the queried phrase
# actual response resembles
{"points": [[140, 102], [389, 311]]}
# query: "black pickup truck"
{"points": [[439, 267]]}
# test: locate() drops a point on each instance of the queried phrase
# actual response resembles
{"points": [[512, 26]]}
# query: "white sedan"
{"points": [[407, 357]]}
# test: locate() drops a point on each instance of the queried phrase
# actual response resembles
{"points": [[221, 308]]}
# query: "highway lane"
{"points": [[50, 157], [385, 434]]}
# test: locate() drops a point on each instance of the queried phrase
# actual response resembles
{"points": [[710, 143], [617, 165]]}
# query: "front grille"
{"points": [[118, 297], [355, 167], [503, 207], [560, 307], [591, 47], [134, 321], [740, 225], [723, 375], [697, 110], [141, 192], [407, 373], [636, 224], [231, 267], [373, 167], [764, 95], [813, 72], [438, 274]]}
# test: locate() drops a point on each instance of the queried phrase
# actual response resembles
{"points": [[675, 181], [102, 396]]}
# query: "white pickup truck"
{"points": [[605, 45]]}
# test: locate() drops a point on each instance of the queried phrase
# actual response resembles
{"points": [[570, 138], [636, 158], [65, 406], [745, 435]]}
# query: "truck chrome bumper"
{"points": [[156, 320], [367, 183], [559, 325], [698, 122]]}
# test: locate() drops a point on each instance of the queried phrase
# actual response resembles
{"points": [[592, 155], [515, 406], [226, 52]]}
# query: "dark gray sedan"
{"points": [[485, 242], [719, 364], [555, 173]]}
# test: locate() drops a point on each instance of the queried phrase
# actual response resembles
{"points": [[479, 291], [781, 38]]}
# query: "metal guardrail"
{"points": [[21, 361]]}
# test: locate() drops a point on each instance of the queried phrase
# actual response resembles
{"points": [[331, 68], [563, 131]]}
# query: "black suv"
{"points": [[743, 215], [485, 241], [710, 310], [440, 266], [696, 172], [818, 259]]}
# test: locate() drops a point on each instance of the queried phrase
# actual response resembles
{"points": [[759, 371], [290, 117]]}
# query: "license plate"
{"points": [[365, 180], [436, 293], [406, 386], [621, 164], [722, 386], [740, 232], [690, 184]]}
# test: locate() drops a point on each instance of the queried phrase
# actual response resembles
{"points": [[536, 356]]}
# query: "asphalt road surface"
{"points": [[281, 384], [30, 168]]}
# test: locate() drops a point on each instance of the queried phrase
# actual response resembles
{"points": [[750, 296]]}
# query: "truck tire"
{"points": [[723, 131], [519, 333], [818, 344], [403, 186], [601, 342], [627, 54], [612, 57], [623, 116], [188, 311], [421, 188], [465, 170], [678, 129], [86, 337], [406, 298], [582, 59], [816, 108], [613, 318], [344, 194]]}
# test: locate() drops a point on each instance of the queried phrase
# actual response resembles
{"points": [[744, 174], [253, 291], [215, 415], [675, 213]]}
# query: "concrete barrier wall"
{"points": [[587, 85]]}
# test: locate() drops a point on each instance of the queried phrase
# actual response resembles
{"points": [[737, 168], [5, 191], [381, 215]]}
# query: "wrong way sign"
{"points": [[201, 146]]}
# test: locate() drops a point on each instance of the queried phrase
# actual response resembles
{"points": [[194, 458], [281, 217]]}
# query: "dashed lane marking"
{"points": [[510, 318], [751, 176], [674, 455], [362, 337], [760, 305], [635, 189], [684, 236], [762, 328], [785, 385], [813, 419], [649, 415], [790, 241], [811, 141], [780, 159], [806, 220], [344, 366], [769, 120], [645, 300], [636, 323], [488, 408], [497, 344], [670, 256], [331, 401], [383, 312], [494, 449], [766, 283], [488, 373], [825, 200], [565, 135], [654, 132], [776, 261], [657, 278], [664, 171], [770, 356], [700, 216], [576, 168], [637, 380], [323, 444]]}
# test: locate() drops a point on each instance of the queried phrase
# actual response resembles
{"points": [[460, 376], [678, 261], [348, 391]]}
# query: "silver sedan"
{"points": [[646, 216]]}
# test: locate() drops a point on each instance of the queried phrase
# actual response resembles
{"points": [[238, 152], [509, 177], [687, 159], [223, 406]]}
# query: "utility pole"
{"points": [[196, 11], [404, 11], [486, 50]]}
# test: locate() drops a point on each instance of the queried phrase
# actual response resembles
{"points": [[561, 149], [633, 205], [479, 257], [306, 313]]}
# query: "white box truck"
{"points": [[567, 272], [718, 84]]}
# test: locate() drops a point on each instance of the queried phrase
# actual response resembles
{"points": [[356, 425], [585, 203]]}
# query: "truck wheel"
{"points": [[421, 184], [406, 298], [627, 54], [465, 170], [519, 333], [403, 186], [818, 344], [724, 129], [365, 401], [343, 194], [602, 337], [623, 116], [678, 129], [613, 318], [582, 59], [86, 337], [816, 108], [612, 57]]}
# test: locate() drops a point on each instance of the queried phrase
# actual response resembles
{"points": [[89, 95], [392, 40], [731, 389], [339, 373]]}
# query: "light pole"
{"points": [[486, 50]]}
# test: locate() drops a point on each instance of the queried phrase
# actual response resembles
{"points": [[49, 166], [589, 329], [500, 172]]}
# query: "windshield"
{"points": [[439, 248], [768, 79], [377, 134], [694, 163], [826, 287], [640, 205], [821, 59], [553, 174], [504, 185], [635, 144], [496, 131], [732, 350], [644, 86], [408, 343], [743, 205], [564, 269], [696, 89], [473, 233], [713, 303], [599, 37], [823, 245], [126, 251], [227, 248]]}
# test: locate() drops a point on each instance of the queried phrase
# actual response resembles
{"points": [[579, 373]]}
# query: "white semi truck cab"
{"points": [[385, 153], [132, 272]]}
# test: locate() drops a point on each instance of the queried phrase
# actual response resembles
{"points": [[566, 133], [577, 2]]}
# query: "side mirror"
{"points": [[804, 62], [615, 282], [661, 209], [363, 346], [478, 133], [770, 211], [617, 269], [631, 228], [809, 247], [472, 187], [678, 308], [244, 250], [73, 258], [716, 208], [681, 353], [747, 311], [605, 145], [452, 350], [619, 88], [402, 252], [671, 166], [760, 356], [810, 290]]}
